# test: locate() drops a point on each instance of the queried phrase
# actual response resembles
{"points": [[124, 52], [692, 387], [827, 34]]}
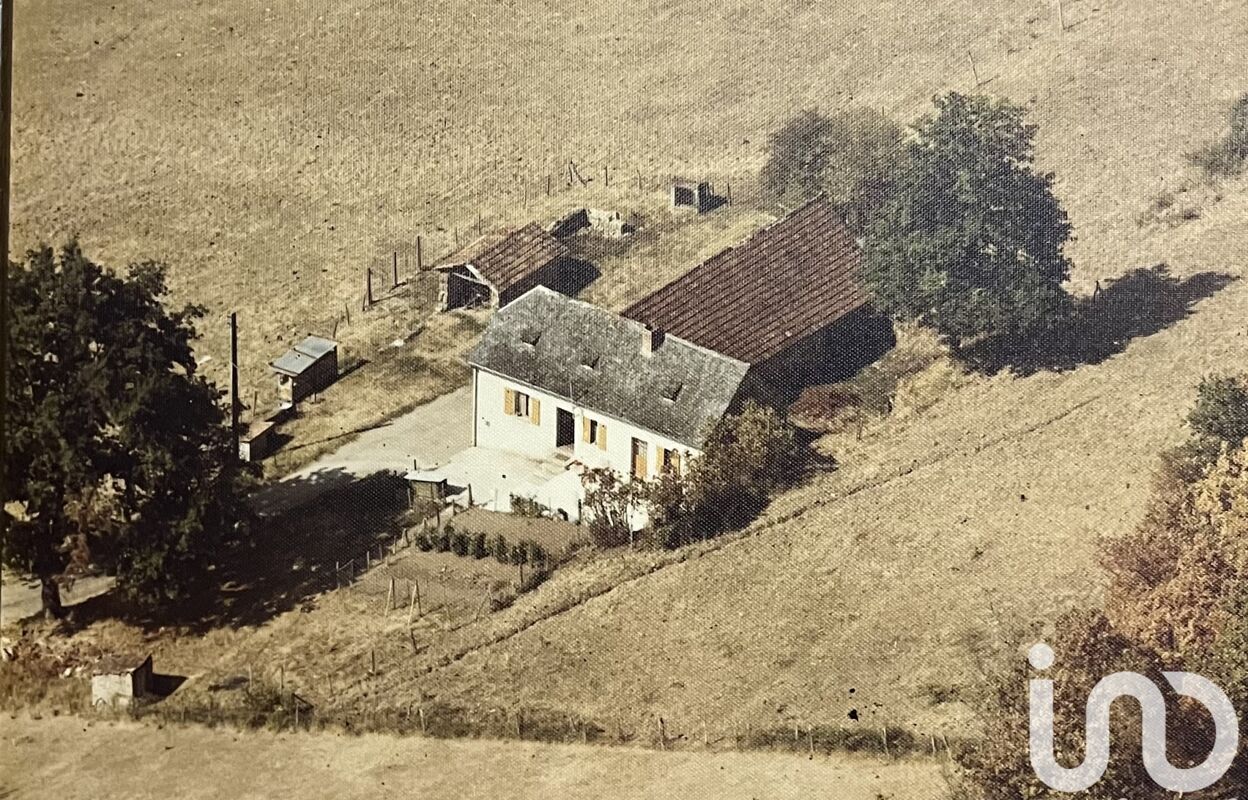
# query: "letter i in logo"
{"points": [[1153, 711]]}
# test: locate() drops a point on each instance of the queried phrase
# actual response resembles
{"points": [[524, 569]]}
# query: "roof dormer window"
{"points": [[671, 391]]}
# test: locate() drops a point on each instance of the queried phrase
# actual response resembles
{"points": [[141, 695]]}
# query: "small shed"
{"points": [[495, 269], [694, 194], [119, 680], [258, 440], [426, 484], [308, 367]]}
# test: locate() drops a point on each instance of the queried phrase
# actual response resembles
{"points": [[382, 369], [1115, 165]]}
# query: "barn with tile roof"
{"points": [[787, 301], [497, 268]]}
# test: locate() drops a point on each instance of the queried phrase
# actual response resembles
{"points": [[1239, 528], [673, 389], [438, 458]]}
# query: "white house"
{"points": [[560, 385], [560, 381]]}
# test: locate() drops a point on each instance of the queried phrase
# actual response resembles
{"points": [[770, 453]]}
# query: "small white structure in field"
{"points": [[118, 680]]}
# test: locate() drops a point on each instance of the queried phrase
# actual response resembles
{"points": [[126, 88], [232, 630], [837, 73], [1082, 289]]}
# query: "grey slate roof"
{"points": [[303, 355], [316, 346], [569, 334]]}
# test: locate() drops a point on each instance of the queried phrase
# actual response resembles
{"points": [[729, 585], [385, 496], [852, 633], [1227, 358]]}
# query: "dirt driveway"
{"points": [[428, 434], [20, 598]]}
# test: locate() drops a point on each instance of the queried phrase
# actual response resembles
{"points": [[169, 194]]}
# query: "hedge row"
{"points": [[477, 545]]}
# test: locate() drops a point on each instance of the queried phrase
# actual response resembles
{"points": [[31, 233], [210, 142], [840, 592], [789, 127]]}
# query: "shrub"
{"points": [[479, 548], [1228, 156], [528, 507], [1216, 160], [461, 542], [746, 457], [536, 554], [609, 504], [519, 554], [850, 156], [444, 541], [424, 542], [1221, 412], [500, 550], [1237, 137]]}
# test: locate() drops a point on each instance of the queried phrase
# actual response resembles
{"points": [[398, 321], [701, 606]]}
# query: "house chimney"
{"points": [[651, 338]]}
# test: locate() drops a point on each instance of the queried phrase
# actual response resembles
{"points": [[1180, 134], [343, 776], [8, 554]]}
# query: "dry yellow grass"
{"points": [[76, 759]]}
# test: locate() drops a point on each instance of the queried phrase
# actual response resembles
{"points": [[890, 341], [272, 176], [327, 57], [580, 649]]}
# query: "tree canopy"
{"points": [[970, 240], [748, 455], [850, 156], [1221, 412], [117, 453]]}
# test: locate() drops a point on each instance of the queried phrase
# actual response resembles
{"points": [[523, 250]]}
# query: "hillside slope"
{"points": [[884, 586]]}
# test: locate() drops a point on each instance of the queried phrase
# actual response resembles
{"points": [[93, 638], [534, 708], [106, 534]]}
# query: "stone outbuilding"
{"points": [[692, 194], [308, 367], [495, 269], [258, 440], [119, 680]]}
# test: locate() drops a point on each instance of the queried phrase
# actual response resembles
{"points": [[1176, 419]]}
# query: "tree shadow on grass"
{"points": [[1141, 303], [287, 558]]}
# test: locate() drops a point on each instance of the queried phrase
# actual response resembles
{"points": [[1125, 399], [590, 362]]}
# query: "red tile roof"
{"points": [[752, 301], [507, 259]]}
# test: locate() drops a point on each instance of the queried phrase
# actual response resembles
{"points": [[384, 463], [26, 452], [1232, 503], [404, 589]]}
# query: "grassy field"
{"points": [[272, 155], [72, 759]]}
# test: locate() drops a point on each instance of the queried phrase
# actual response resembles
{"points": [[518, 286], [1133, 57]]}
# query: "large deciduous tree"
{"points": [[850, 156], [117, 451], [970, 241]]}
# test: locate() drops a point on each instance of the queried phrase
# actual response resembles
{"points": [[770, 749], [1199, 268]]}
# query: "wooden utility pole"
{"points": [[6, 107], [234, 401], [1061, 17], [974, 71], [420, 264], [368, 287], [395, 262]]}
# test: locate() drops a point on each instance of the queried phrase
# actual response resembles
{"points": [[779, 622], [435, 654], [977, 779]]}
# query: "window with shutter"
{"points": [[602, 436], [535, 411], [509, 402]]}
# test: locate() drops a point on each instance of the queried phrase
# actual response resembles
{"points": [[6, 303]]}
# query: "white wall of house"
{"points": [[534, 433]]}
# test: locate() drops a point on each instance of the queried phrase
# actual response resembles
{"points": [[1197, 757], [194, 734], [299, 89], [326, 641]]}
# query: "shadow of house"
{"points": [[1144, 301], [574, 276], [787, 302]]}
